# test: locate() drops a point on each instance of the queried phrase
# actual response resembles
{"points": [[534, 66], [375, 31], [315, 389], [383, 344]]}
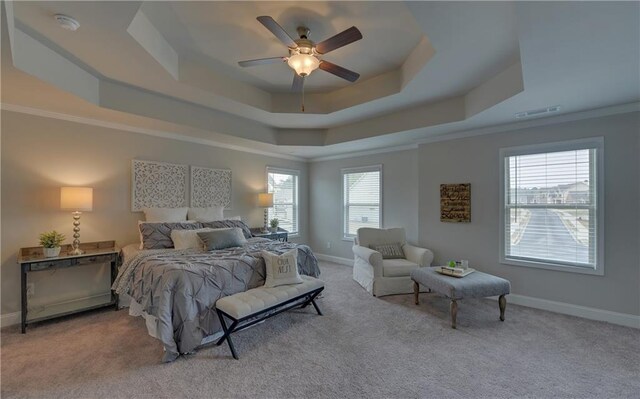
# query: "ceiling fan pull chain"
{"points": [[303, 95]]}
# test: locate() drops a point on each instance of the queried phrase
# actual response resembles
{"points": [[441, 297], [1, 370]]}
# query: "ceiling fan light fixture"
{"points": [[303, 64]]}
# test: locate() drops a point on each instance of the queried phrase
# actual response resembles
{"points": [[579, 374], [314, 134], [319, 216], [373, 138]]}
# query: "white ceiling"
{"points": [[428, 68]]}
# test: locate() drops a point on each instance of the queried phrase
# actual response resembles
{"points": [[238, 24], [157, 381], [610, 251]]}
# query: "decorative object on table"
{"points": [[455, 203], [455, 271], [281, 235], [265, 200], [210, 187], [158, 185], [78, 200], [274, 225], [50, 242]]}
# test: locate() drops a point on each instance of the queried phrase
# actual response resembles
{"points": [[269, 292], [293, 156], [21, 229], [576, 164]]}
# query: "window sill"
{"points": [[552, 266], [351, 239]]}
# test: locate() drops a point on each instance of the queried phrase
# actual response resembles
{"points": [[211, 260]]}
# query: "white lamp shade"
{"points": [[265, 200], [303, 64], [76, 198]]}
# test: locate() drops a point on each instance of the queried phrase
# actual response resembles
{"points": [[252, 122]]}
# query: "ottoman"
{"points": [[474, 285]]}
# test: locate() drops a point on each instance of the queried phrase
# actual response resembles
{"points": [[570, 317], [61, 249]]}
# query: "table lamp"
{"points": [[265, 200], [76, 199]]}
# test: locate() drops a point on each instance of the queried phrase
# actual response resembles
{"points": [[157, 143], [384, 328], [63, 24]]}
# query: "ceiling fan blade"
{"points": [[298, 83], [277, 30], [261, 61], [341, 39], [339, 71]]}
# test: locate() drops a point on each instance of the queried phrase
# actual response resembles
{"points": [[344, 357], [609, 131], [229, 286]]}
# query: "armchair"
{"points": [[386, 276]]}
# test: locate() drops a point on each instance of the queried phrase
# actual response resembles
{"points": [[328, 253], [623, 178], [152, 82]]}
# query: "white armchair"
{"points": [[386, 276]]}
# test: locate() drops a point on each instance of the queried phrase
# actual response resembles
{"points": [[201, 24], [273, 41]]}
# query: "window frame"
{"points": [[360, 169], [596, 143], [296, 204]]}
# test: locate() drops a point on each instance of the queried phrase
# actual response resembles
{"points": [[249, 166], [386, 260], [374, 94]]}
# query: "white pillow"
{"points": [[234, 218], [165, 214], [209, 214], [281, 269], [188, 239]]}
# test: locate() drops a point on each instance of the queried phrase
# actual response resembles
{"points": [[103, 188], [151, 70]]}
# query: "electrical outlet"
{"points": [[328, 244], [31, 289]]}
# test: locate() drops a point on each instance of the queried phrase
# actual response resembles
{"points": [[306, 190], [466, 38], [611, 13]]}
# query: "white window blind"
{"points": [[362, 192], [551, 205], [284, 186]]}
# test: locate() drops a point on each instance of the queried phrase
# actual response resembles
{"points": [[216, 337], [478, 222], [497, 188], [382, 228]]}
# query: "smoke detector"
{"points": [[67, 22], [537, 112]]}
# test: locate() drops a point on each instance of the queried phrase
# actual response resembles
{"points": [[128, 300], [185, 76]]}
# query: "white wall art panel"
{"points": [[158, 185], [210, 187]]}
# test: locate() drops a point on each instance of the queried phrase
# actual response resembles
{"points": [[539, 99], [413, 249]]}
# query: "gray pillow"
{"points": [[158, 235], [389, 251], [222, 238], [219, 224]]}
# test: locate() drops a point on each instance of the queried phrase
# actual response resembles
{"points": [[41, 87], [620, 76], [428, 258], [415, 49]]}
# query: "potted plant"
{"points": [[51, 242], [274, 225]]}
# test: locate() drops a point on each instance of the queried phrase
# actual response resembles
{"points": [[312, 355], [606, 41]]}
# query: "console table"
{"points": [[32, 260]]}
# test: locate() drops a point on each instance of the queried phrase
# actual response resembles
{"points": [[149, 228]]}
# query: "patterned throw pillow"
{"points": [[158, 235], [222, 238], [281, 269], [219, 224], [389, 251]]}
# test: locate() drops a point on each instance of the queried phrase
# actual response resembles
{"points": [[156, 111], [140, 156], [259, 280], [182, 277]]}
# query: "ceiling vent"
{"points": [[67, 22], [537, 112]]}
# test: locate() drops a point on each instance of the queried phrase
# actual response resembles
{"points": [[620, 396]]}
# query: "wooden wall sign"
{"points": [[455, 203]]}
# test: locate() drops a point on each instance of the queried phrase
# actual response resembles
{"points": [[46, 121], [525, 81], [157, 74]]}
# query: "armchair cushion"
{"points": [[389, 251], [397, 267]]}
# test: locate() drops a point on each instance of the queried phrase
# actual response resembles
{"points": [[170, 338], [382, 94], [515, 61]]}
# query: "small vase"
{"points": [[51, 252], [274, 229]]}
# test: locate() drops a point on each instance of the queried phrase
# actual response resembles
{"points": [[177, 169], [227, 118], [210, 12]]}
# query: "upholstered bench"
{"points": [[247, 308], [474, 285]]}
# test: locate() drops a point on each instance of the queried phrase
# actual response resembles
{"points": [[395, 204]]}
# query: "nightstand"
{"points": [[280, 235], [32, 260]]}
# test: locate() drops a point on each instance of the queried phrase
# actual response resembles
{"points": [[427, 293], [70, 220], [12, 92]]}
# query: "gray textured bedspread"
{"points": [[180, 288]]}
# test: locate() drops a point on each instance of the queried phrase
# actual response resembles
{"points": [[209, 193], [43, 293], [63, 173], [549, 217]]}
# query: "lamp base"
{"points": [[76, 251]]}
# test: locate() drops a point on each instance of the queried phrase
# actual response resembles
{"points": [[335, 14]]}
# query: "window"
{"points": [[551, 206], [362, 195], [283, 184]]}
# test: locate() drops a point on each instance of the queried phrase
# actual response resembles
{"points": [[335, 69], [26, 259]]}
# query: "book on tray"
{"points": [[455, 271]]}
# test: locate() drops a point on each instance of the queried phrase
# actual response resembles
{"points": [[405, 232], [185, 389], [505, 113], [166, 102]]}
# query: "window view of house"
{"points": [[551, 205], [362, 200], [284, 186]]}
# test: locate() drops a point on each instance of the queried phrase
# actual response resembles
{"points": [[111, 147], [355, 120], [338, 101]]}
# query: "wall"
{"points": [[39, 155], [399, 202], [475, 160]]}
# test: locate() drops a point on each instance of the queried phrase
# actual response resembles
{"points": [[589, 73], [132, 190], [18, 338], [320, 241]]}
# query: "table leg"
{"points": [[416, 292], [502, 301], [454, 312], [23, 280], [114, 275]]}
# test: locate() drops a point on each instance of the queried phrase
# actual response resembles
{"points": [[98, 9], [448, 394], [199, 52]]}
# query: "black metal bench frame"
{"points": [[254, 318]]}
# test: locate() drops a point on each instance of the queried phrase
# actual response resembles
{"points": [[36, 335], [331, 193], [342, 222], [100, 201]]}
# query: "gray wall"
{"points": [[399, 202], [39, 155], [475, 160]]}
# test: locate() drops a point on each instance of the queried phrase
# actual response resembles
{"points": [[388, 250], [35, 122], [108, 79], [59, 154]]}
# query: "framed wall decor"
{"points": [[455, 203], [210, 187], [158, 185]]}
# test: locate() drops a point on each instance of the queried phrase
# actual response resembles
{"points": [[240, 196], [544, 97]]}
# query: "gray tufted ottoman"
{"points": [[474, 285]]}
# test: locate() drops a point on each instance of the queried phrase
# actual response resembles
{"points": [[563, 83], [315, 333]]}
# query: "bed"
{"points": [[176, 290]]}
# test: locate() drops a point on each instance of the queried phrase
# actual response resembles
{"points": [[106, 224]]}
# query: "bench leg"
{"points": [[502, 302], [416, 292], [454, 312], [227, 335]]}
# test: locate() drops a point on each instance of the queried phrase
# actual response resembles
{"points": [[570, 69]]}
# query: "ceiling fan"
{"points": [[304, 54]]}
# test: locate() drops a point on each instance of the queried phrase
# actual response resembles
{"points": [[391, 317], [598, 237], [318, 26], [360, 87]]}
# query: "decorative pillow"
{"points": [[206, 214], [281, 269], [222, 238], [389, 251], [227, 223], [188, 239], [165, 214], [158, 235]]}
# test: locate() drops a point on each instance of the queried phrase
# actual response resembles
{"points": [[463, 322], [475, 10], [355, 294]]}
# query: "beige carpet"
{"points": [[361, 347]]}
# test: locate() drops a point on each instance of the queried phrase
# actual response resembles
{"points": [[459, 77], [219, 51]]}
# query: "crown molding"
{"points": [[364, 153], [150, 132]]}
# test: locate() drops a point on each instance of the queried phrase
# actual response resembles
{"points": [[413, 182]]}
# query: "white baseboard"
{"points": [[10, 319], [623, 319], [335, 259]]}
